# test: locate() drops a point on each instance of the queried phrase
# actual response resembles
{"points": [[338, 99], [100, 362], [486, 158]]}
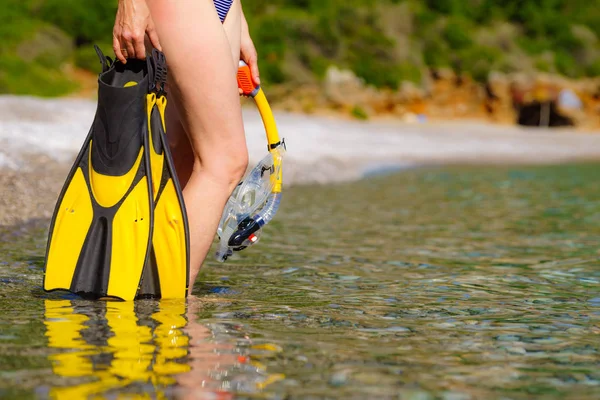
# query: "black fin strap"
{"points": [[105, 61], [159, 70]]}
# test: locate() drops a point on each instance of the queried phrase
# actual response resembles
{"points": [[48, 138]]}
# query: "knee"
{"points": [[228, 168], [236, 164]]}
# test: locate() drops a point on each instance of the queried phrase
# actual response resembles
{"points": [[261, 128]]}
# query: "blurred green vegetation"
{"points": [[384, 42], [39, 37]]}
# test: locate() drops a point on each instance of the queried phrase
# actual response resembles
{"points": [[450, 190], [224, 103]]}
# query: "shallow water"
{"points": [[450, 283]]}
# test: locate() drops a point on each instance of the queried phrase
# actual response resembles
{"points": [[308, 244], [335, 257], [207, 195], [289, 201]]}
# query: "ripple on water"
{"points": [[435, 283]]}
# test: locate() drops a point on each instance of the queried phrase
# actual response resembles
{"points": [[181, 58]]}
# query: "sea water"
{"points": [[433, 283]]}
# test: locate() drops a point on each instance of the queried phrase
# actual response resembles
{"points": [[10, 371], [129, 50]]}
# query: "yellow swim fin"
{"points": [[120, 228], [167, 272]]}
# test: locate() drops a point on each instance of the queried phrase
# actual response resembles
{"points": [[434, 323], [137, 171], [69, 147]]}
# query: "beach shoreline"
{"points": [[39, 139], [32, 194]]}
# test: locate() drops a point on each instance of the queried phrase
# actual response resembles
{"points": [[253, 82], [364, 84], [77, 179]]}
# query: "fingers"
{"points": [[132, 22], [127, 44], [251, 58], [254, 69], [117, 35], [139, 46], [133, 43], [130, 44], [124, 46], [153, 36], [117, 49]]}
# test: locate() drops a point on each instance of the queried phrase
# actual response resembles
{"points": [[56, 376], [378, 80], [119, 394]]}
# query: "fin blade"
{"points": [[130, 230], [169, 243], [74, 217], [169, 262]]}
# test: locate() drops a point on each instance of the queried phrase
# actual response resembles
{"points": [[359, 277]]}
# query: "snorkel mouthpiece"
{"points": [[245, 233], [252, 205]]}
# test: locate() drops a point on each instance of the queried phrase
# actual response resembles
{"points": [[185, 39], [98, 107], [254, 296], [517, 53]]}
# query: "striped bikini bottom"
{"points": [[223, 7]]}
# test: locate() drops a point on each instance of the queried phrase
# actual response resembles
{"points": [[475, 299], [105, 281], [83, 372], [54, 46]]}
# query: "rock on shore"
{"points": [[444, 95]]}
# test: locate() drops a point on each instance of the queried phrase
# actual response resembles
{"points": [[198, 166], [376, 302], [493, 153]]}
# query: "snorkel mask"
{"points": [[256, 199]]}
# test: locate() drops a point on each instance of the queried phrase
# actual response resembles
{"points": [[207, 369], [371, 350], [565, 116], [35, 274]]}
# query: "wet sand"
{"points": [[30, 194]]}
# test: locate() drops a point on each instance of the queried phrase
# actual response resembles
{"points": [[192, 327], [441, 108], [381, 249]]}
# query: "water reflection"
{"points": [[461, 282], [155, 348]]}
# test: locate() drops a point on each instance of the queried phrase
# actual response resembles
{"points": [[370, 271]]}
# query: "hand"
{"points": [[248, 52], [132, 22]]}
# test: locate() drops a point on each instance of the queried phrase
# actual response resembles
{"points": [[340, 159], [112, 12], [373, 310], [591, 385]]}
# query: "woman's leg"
{"points": [[233, 30], [206, 97], [181, 148]]}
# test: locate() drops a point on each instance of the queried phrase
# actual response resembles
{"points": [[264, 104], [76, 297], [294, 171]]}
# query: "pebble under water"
{"points": [[435, 283]]}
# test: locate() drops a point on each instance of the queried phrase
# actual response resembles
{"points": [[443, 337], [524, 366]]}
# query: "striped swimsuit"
{"points": [[222, 7]]}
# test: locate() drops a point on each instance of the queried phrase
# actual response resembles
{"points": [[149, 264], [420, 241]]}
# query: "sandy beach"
{"points": [[39, 139]]}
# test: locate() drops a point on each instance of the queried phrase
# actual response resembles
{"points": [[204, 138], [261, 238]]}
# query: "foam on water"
{"points": [[319, 149]]}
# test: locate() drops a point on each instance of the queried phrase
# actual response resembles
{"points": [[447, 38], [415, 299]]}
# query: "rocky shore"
{"points": [[531, 100], [32, 193]]}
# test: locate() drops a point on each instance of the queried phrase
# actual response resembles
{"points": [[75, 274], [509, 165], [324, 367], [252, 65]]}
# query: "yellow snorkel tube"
{"points": [[256, 199], [244, 78]]}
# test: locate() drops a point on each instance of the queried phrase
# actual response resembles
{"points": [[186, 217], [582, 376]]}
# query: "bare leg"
{"points": [[206, 97], [233, 30], [181, 148]]}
